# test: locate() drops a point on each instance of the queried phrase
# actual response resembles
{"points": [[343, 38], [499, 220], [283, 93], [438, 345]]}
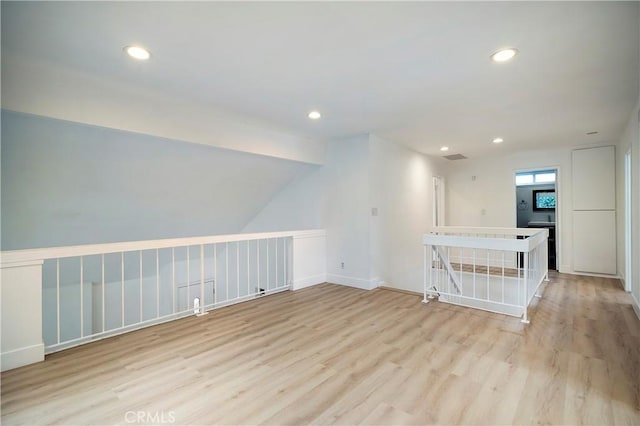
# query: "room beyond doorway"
{"points": [[536, 205]]}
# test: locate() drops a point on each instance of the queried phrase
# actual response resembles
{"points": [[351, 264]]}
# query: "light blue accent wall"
{"points": [[65, 183]]}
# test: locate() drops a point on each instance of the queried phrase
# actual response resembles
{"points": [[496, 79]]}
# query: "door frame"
{"points": [[559, 208], [628, 244]]}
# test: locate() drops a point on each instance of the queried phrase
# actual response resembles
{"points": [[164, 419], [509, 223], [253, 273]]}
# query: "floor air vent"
{"points": [[455, 157]]}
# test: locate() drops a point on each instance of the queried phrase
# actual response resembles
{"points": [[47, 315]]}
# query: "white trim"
{"points": [[623, 283], [22, 356], [298, 235], [590, 274], [377, 282], [301, 283], [352, 281], [628, 221], [18, 264], [485, 230], [483, 305], [635, 305], [535, 236], [92, 249], [560, 208]]}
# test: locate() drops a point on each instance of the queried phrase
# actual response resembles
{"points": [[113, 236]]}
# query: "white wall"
{"points": [[360, 174], [402, 191], [347, 212], [630, 140], [490, 199], [334, 197]]}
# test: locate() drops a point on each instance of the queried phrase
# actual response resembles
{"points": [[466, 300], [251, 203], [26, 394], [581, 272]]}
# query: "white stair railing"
{"points": [[494, 269], [94, 291]]}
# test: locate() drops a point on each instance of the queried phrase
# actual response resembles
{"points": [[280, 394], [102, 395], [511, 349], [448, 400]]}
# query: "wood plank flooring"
{"points": [[336, 355]]}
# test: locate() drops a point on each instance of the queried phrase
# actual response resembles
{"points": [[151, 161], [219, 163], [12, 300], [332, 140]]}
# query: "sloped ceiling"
{"points": [[415, 73], [66, 183]]}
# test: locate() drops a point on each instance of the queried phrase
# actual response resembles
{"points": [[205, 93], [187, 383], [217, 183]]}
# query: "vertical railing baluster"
{"points": [[276, 261], [237, 269], [474, 272], [518, 290], [141, 316], [488, 277], [173, 278], [287, 252], [103, 304], [268, 269], [258, 264], [215, 273], [81, 296], [526, 295], [188, 278], [424, 272], [460, 258], [448, 277], [502, 276], [248, 268], [226, 268], [201, 279], [122, 286], [430, 254], [58, 297], [157, 284]]}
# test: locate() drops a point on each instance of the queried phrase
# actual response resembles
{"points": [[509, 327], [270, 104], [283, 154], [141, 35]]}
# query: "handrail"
{"points": [[485, 231], [17, 256], [535, 237], [503, 276]]}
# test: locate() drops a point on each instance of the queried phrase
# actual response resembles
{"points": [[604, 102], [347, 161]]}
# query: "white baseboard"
{"points": [[20, 357], [377, 282], [309, 281], [352, 281], [636, 305], [565, 269], [589, 274], [623, 283]]}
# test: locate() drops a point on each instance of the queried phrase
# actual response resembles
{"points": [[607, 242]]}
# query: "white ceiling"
{"points": [[417, 74]]}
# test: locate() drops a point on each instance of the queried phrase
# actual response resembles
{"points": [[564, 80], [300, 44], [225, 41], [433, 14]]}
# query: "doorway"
{"points": [[537, 205]]}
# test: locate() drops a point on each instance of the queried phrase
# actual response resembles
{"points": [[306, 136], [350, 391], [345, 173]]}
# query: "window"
{"points": [[524, 179], [535, 178], [545, 177]]}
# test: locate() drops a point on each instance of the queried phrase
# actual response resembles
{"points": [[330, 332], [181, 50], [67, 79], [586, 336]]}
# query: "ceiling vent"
{"points": [[455, 157]]}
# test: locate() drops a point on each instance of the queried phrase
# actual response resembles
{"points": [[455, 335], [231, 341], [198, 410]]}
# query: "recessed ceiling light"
{"points": [[314, 115], [504, 55], [498, 140], [444, 148], [138, 52]]}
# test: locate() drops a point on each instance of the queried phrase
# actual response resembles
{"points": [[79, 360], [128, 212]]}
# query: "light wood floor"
{"points": [[336, 355]]}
